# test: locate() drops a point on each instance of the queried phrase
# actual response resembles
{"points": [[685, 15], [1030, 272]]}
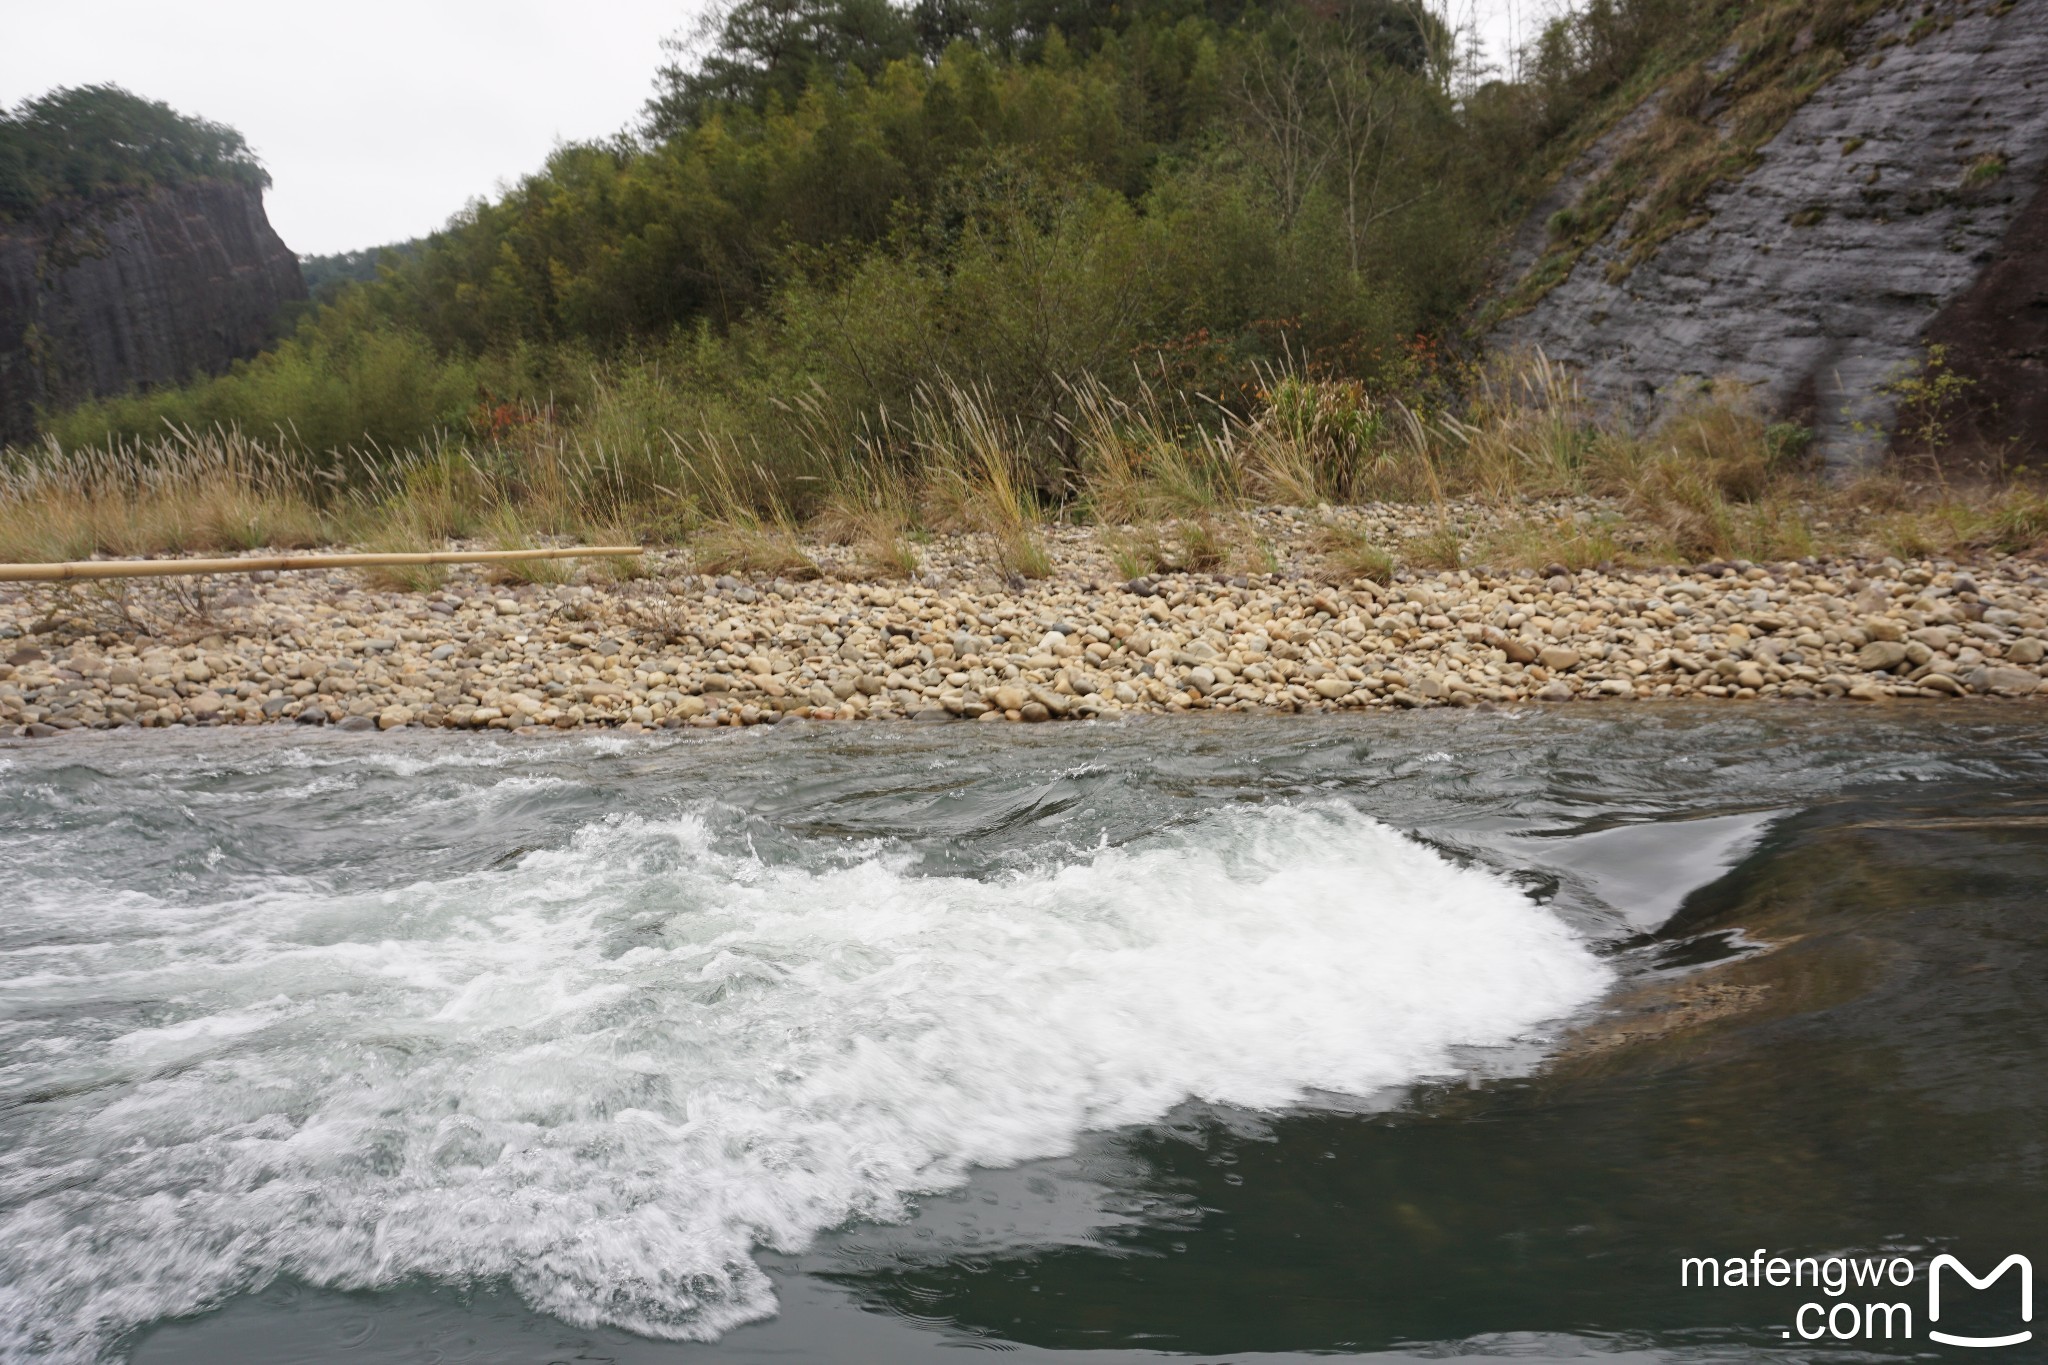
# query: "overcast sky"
{"points": [[378, 119]]}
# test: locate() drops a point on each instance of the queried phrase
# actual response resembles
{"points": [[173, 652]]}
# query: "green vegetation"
{"points": [[1932, 400], [326, 276], [95, 140], [876, 274], [843, 205], [1524, 476], [1985, 169]]}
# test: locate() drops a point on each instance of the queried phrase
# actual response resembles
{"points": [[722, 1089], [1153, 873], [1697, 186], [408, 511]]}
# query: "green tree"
{"points": [[87, 141]]}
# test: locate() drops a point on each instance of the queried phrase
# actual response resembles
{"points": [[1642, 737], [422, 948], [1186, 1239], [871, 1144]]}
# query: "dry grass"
{"points": [[1349, 554], [1540, 544], [1318, 442], [614, 568], [403, 535], [1440, 548], [880, 537], [977, 476], [870, 510], [509, 529], [2011, 519], [1199, 546], [1170, 481], [751, 547], [211, 493], [1136, 554], [1139, 463]]}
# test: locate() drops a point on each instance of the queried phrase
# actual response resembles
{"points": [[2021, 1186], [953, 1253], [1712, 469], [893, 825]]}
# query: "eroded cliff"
{"points": [[1899, 204], [143, 289]]}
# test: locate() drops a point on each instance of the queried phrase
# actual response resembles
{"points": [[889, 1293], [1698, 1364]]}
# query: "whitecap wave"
{"points": [[609, 1073]]}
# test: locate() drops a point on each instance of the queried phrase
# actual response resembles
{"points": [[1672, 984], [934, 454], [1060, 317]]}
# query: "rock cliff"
{"points": [[138, 290], [1899, 205]]}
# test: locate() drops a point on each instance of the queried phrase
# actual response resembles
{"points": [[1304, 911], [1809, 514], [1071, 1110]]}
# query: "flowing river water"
{"points": [[1425, 1036]]}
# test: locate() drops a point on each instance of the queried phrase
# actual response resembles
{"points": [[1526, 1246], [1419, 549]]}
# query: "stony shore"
{"points": [[675, 648]]}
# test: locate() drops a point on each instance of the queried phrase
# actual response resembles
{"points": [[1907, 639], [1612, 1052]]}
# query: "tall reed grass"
{"points": [[1173, 478]]}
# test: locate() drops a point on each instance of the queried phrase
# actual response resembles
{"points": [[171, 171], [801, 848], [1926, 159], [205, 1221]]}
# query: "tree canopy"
{"points": [[87, 141], [838, 203]]}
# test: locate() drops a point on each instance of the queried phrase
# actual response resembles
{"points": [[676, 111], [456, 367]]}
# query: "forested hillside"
{"points": [[838, 202]]}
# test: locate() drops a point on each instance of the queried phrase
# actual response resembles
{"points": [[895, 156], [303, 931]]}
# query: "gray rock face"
{"points": [[146, 290], [1817, 275]]}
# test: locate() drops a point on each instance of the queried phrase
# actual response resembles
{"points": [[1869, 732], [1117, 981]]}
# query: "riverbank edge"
{"points": [[672, 648]]}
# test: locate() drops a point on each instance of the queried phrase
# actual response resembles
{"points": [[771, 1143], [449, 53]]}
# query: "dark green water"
{"points": [[1425, 1036]]}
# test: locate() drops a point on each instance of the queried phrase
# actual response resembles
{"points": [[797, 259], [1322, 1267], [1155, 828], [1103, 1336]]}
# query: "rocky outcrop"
{"points": [[1995, 334], [142, 290], [1899, 205]]}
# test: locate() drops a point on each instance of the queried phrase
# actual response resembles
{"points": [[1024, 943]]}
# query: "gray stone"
{"points": [[1813, 276], [356, 724], [180, 280], [2005, 682]]}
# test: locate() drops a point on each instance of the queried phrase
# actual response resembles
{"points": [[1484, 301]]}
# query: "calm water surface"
{"points": [[1429, 1037]]}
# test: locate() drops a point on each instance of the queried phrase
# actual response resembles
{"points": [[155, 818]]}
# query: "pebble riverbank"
{"points": [[675, 648]]}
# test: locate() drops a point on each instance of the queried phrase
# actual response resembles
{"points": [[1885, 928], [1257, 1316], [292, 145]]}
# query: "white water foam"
{"points": [[608, 1074]]}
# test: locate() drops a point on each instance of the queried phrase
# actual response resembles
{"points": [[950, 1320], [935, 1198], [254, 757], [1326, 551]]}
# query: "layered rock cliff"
{"points": [[139, 290], [1900, 204]]}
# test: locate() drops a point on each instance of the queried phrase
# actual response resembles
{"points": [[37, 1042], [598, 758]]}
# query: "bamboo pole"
{"points": [[166, 568]]}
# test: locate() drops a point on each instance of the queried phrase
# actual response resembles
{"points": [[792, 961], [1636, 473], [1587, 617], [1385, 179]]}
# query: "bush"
{"points": [[333, 386]]}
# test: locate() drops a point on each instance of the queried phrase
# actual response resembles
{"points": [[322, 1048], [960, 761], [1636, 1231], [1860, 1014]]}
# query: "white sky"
{"points": [[378, 119]]}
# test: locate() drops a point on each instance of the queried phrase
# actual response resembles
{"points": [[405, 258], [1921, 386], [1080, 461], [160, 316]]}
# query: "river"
{"points": [[1418, 1036]]}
